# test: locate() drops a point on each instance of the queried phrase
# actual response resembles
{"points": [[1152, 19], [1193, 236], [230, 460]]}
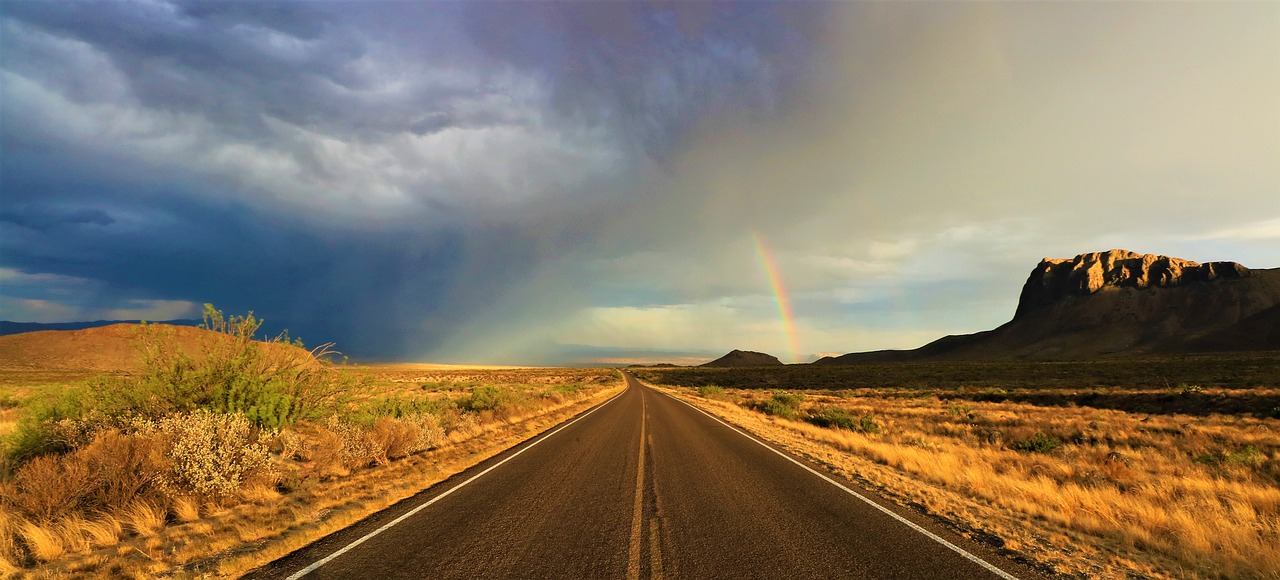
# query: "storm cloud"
{"points": [[548, 182], [370, 173]]}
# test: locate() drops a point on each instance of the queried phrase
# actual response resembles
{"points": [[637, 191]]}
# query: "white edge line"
{"points": [[318, 563], [990, 567]]}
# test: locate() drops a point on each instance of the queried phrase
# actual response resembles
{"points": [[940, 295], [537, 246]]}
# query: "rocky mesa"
{"points": [[1118, 303], [1054, 279]]}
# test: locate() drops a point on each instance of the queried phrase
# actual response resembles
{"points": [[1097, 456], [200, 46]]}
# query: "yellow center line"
{"points": [[633, 565]]}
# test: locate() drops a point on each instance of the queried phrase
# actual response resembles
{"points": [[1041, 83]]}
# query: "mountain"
{"points": [[7, 327], [744, 358], [1120, 303]]}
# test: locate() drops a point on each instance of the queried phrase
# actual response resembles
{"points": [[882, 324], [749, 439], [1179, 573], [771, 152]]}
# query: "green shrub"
{"points": [[836, 418], [487, 398], [40, 433], [1248, 456], [368, 412], [711, 391], [1041, 442], [566, 389], [272, 384], [781, 404]]}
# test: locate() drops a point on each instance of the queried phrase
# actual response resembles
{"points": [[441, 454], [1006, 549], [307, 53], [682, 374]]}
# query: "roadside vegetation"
{"points": [[211, 463], [1134, 487]]}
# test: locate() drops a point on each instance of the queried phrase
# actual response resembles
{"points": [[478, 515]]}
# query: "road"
{"points": [[642, 486]]}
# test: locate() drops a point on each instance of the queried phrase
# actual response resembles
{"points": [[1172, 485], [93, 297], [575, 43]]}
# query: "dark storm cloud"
{"points": [[370, 173], [44, 219], [233, 63], [653, 71]]}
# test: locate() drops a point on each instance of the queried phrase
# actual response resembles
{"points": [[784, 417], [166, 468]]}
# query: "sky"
{"points": [[557, 183]]}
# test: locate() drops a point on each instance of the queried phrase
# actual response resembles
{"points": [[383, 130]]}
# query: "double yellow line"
{"points": [[637, 514]]}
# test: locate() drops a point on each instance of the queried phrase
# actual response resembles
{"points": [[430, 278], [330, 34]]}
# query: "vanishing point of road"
{"points": [[643, 486]]}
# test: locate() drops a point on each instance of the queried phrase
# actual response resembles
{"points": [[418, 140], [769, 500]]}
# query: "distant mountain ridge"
{"points": [[7, 327], [1119, 303], [744, 358]]}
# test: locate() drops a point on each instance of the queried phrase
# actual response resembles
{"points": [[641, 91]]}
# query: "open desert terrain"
{"points": [[187, 452], [1154, 467]]}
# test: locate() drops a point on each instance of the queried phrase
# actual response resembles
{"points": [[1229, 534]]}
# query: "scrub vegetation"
{"points": [[212, 464], [1109, 474]]}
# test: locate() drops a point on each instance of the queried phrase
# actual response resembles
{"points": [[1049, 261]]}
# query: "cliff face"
{"points": [[1054, 279], [1121, 303]]}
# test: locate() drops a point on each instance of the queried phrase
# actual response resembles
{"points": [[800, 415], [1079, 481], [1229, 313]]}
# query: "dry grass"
{"points": [[322, 476], [1090, 492], [185, 509], [144, 519]]}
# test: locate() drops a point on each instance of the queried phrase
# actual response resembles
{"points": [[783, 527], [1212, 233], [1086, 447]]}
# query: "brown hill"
{"points": [[744, 358], [108, 348], [1120, 303]]}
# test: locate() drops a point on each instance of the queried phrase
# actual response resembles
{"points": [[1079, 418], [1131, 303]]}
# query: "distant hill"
{"points": [[7, 328], [117, 347], [1119, 303], [744, 358]]}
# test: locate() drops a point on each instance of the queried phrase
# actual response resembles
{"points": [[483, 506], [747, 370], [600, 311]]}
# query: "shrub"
{"points": [[211, 454], [1038, 443], [109, 473], [393, 438], [781, 404], [487, 398], [1185, 389], [124, 466], [567, 389], [273, 383], [345, 445], [369, 412], [50, 486], [836, 418], [43, 430], [711, 391], [1248, 456]]}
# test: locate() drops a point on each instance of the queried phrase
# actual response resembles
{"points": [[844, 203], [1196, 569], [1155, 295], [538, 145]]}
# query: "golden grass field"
{"points": [[1075, 490], [319, 476]]}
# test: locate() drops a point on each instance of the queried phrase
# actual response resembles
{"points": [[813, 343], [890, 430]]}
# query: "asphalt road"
{"points": [[642, 486]]}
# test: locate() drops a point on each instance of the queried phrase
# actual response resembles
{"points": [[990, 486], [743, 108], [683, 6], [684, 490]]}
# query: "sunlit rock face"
{"points": [[1054, 279], [1121, 303]]}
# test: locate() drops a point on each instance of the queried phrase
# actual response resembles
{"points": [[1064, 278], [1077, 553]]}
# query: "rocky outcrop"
{"points": [[1120, 303], [744, 358], [1054, 279]]}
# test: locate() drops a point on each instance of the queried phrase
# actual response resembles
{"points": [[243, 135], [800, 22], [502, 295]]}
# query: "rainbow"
{"points": [[780, 295]]}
